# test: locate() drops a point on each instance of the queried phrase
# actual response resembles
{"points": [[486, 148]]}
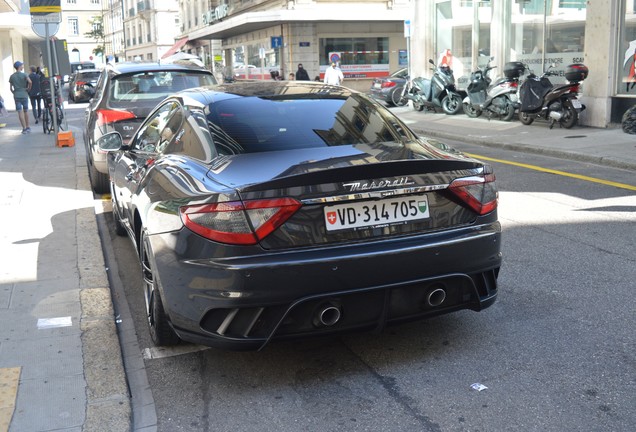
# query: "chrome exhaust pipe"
{"points": [[328, 315], [436, 297], [556, 115]]}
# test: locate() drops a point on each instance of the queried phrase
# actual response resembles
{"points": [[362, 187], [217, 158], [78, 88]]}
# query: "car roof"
{"points": [[266, 89], [81, 71], [132, 67]]}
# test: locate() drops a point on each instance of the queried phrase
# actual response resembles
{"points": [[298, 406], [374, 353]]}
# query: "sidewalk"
{"points": [[60, 358], [610, 147]]}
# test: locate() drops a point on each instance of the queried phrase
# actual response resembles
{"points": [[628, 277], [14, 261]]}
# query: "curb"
{"points": [[108, 404], [524, 148]]}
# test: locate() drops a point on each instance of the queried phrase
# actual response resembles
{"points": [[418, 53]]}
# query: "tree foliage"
{"points": [[97, 33]]}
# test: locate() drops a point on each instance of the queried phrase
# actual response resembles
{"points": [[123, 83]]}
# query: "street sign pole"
{"points": [[51, 84]]}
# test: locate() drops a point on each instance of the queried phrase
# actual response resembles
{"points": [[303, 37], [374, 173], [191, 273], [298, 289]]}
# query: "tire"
{"points": [[60, 117], [526, 118], [396, 97], [628, 122], [120, 229], [509, 112], [45, 121], [99, 182], [570, 116], [158, 323], [451, 104], [417, 106], [471, 111]]}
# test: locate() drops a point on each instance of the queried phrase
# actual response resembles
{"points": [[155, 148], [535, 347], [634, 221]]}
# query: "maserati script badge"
{"points": [[386, 183]]}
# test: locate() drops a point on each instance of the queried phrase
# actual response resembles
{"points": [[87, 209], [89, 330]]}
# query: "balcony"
{"points": [[144, 8]]}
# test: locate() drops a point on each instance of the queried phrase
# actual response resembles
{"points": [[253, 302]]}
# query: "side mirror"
{"points": [[431, 62], [110, 142]]}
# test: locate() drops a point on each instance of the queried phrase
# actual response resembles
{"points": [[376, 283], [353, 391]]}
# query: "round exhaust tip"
{"points": [[436, 297], [328, 315]]}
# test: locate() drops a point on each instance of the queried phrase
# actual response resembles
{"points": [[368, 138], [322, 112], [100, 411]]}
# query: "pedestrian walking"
{"points": [[301, 73], [35, 94], [333, 75], [20, 85], [3, 111]]}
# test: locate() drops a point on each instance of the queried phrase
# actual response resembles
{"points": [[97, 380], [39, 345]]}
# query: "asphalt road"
{"points": [[557, 352]]}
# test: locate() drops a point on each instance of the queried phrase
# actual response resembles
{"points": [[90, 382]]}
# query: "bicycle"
{"points": [[47, 113]]}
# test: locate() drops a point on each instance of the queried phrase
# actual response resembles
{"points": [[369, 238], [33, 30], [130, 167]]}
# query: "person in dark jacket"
{"points": [[301, 74], [35, 94]]}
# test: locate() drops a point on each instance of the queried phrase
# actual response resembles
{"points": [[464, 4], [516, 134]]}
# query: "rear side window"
{"points": [[257, 124], [155, 86]]}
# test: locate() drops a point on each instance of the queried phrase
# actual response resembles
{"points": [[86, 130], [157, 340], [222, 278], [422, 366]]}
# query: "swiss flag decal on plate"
{"points": [[331, 217]]}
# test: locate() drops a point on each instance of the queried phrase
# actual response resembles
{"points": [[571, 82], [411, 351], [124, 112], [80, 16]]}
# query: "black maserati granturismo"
{"points": [[272, 210]]}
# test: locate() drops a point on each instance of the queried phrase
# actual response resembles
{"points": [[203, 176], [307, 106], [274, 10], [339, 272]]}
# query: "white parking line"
{"points": [[162, 352]]}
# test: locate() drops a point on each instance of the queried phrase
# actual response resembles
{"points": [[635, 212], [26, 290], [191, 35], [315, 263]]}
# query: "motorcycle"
{"points": [[439, 91], [557, 104], [499, 98]]}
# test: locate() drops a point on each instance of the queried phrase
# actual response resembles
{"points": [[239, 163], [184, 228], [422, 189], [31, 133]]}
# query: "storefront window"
{"points": [[454, 37], [627, 52], [249, 64], [554, 35], [357, 57]]}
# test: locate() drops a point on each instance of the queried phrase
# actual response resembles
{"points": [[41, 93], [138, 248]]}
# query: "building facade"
{"points": [[140, 29], [252, 38], [78, 18], [601, 34]]}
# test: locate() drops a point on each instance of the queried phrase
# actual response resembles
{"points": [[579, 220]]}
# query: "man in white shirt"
{"points": [[333, 75]]}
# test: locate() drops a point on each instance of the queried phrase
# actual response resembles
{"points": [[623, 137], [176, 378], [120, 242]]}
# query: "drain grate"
{"points": [[576, 136]]}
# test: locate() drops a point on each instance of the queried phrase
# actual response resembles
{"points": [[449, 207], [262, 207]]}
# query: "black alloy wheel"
{"points": [[160, 331]]}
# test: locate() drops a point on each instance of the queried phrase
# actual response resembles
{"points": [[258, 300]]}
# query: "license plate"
{"points": [[377, 85], [576, 104], [388, 211]]}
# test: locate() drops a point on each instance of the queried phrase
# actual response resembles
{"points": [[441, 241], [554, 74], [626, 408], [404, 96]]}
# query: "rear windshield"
{"points": [[254, 124], [80, 66], [155, 86], [90, 76]]}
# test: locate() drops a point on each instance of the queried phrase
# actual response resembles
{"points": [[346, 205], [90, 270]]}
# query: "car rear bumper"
{"points": [[243, 303]]}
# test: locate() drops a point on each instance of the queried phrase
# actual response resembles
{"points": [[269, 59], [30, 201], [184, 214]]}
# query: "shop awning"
{"points": [[176, 47]]}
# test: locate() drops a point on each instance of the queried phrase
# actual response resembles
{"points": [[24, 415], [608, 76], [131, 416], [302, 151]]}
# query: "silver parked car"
{"points": [[126, 93]]}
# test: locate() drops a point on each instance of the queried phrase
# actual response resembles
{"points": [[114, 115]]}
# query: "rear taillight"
{"points": [[478, 192], [111, 116], [80, 83], [388, 84], [575, 88], [235, 222]]}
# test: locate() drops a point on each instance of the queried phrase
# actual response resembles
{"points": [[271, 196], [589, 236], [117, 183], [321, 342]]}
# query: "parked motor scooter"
{"points": [[498, 99], [439, 91], [541, 99]]}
